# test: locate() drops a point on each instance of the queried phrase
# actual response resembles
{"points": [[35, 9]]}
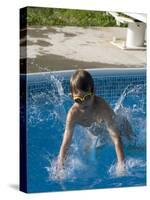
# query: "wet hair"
{"points": [[81, 80]]}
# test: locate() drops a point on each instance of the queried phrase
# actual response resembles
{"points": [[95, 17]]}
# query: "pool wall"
{"points": [[108, 82], [96, 72]]}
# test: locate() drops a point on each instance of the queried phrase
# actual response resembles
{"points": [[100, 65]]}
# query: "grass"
{"points": [[68, 17]]}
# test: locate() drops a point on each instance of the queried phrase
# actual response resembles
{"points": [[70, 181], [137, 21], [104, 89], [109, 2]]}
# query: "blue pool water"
{"points": [[48, 102]]}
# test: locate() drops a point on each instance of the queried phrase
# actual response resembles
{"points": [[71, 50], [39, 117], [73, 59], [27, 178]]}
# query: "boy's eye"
{"points": [[87, 97]]}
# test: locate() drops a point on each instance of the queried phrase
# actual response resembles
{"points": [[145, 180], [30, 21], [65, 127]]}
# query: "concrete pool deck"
{"points": [[62, 48]]}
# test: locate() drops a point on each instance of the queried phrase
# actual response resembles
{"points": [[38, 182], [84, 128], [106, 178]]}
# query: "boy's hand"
{"points": [[60, 163], [59, 170], [120, 169]]}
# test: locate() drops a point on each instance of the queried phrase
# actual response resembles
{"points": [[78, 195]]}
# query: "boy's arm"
{"points": [[109, 117], [67, 137], [127, 128], [115, 136]]}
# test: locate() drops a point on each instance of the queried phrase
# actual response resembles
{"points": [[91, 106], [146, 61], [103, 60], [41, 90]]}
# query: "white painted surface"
{"points": [[139, 16], [135, 34]]}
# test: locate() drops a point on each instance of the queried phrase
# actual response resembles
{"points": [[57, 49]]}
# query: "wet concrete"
{"points": [[63, 48], [53, 62], [39, 32], [40, 43]]}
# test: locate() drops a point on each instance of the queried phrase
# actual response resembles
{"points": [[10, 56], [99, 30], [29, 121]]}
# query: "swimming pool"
{"points": [[47, 104]]}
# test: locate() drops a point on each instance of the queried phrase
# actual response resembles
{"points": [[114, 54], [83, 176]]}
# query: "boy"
{"points": [[87, 109]]}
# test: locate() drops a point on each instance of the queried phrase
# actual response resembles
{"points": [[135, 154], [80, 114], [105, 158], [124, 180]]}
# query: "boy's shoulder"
{"points": [[73, 114], [73, 111], [101, 105], [99, 101]]}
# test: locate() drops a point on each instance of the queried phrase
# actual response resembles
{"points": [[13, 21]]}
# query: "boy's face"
{"points": [[84, 99]]}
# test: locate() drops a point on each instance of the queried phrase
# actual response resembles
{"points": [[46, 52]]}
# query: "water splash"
{"points": [[57, 83], [130, 90], [73, 166], [133, 167], [131, 105], [48, 106], [82, 151]]}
